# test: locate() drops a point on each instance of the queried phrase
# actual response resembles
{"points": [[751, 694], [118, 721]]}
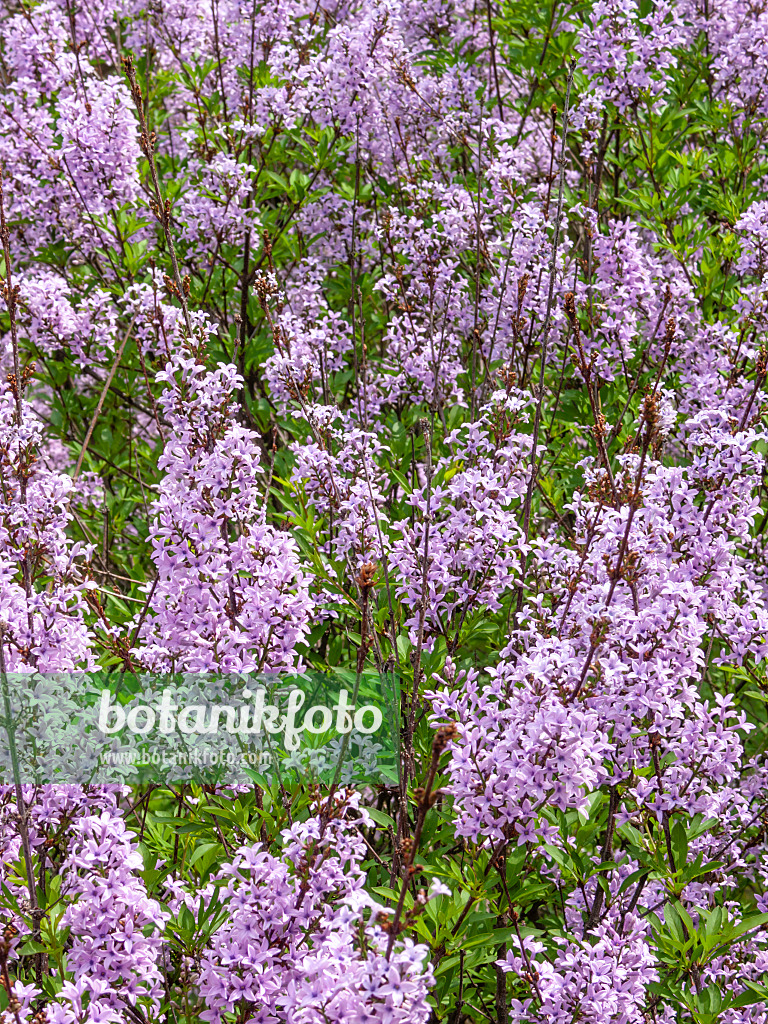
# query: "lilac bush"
{"points": [[410, 337]]}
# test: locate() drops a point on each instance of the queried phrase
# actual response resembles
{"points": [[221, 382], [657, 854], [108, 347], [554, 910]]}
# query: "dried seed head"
{"points": [[366, 575], [570, 308]]}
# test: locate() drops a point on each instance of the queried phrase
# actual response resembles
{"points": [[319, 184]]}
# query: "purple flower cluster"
{"points": [[296, 944]]}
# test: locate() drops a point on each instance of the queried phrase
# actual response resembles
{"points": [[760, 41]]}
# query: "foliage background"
{"points": [[414, 336]]}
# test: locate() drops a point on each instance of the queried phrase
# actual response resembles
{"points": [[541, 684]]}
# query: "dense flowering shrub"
{"points": [[394, 336]]}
